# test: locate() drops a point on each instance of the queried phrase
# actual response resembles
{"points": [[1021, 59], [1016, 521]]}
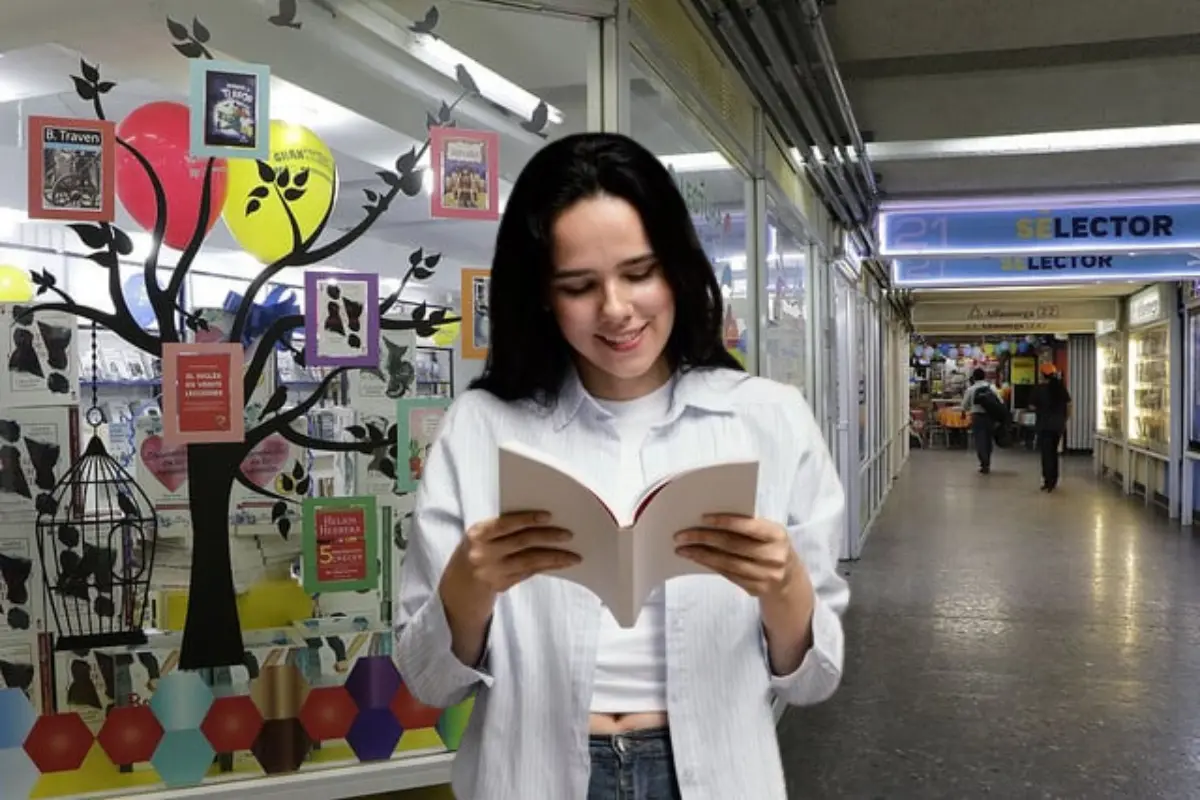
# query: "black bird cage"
{"points": [[96, 535]]}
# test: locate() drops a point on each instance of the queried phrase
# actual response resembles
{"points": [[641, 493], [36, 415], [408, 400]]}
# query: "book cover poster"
{"points": [[230, 105], [202, 393], [466, 174], [341, 321], [394, 376], [476, 287], [418, 420], [41, 364], [71, 169], [35, 452], [341, 544]]}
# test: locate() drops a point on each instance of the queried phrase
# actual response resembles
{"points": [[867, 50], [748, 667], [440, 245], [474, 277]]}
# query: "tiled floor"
{"points": [[1006, 643]]}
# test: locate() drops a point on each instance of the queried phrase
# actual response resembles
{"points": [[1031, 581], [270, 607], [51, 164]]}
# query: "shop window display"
{"points": [[1149, 388], [785, 301], [714, 190], [260, 676], [1110, 369]]}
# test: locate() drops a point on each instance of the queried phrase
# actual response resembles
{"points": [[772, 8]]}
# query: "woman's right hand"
{"points": [[494, 556], [499, 553]]}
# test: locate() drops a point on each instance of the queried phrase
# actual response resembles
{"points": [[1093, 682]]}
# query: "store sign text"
{"points": [[1044, 269], [1106, 229]]}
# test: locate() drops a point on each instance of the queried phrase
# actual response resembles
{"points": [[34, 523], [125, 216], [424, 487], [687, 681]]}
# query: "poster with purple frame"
{"points": [[341, 320]]}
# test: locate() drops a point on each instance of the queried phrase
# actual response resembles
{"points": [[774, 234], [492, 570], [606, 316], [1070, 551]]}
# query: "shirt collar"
{"points": [[701, 389]]}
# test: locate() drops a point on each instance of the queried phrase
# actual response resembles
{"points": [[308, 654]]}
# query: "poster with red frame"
{"points": [[203, 393], [466, 174], [72, 166]]}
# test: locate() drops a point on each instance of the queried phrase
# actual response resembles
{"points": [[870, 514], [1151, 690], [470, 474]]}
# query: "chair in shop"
{"points": [[954, 421]]}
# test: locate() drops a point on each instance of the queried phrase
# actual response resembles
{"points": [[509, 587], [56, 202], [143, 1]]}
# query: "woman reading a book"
{"points": [[607, 354]]}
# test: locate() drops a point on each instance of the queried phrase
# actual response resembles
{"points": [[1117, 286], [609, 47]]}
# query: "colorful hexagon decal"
{"points": [[18, 773], [279, 691], [328, 713], [453, 724], [59, 742], [183, 758], [130, 735], [374, 734], [181, 701], [16, 718], [232, 724], [373, 682], [411, 712], [281, 746]]}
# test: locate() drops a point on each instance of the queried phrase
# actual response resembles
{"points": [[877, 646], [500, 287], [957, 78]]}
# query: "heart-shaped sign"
{"points": [[167, 463], [266, 460]]}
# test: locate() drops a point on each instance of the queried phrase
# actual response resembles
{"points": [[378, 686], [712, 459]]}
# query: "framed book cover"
{"points": [[230, 109], [466, 174], [202, 393], [72, 166], [340, 548], [476, 287], [418, 420], [341, 320]]}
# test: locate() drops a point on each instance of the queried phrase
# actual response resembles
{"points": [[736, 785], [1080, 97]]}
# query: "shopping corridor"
{"points": [[1003, 642]]}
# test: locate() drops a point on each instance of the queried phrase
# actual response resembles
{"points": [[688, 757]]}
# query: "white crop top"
{"points": [[631, 663]]}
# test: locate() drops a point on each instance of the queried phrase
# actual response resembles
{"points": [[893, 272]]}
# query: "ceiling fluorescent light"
{"points": [[441, 57], [695, 162], [1037, 143]]}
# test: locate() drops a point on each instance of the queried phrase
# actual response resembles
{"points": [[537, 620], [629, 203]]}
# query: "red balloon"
{"points": [[160, 132]]}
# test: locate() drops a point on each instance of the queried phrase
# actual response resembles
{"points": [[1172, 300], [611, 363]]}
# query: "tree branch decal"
{"points": [[212, 632]]}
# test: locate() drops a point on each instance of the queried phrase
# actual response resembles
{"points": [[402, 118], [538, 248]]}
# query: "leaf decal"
{"points": [[121, 242], [84, 89], [266, 172], [283, 178], [190, 49], [252, 206], [199, 32], [92, 236], [177, 29], [407, 161], [301, 179], [90, 73], [432, 260], [260, 192], [416, 256], [411, 182], [465, 80], [292, 195], [420, 273]]}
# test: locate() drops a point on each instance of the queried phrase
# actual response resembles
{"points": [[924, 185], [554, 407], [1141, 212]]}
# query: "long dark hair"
{"points": [[527, 354], [1056, 392]]}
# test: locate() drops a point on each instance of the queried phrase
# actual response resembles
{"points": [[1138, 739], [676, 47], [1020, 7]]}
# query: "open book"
{"points": [[625, 554]]}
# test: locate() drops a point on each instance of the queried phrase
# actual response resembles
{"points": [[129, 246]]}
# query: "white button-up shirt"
{"points": [[528, 734]]}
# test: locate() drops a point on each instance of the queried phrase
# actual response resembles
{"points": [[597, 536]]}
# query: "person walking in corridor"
{"points": [[1052, 402], [982, 422]]}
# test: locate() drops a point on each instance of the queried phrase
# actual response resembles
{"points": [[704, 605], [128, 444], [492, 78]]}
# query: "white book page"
{"points": [[728, 488], [533, 481]]}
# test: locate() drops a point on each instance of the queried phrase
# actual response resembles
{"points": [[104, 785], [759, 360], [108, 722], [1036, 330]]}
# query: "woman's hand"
{"points": [[756, 554], [494, 556], [499, 553]]}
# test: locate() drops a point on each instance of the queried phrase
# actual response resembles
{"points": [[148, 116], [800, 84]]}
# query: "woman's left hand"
{"points": [[756, 554]]}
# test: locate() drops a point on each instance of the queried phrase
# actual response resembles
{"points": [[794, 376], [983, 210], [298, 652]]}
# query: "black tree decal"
{"points": [[212, 633]]}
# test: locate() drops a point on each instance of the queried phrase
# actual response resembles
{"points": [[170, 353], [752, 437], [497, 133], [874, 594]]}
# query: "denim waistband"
{"points": [[646, 741]]}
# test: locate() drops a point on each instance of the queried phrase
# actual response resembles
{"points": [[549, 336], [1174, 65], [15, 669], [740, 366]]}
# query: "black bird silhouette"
{"points": [[278, 398], [286, 18], [538, 120], [428, 24]]}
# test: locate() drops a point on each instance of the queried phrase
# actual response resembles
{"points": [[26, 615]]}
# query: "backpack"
{"points": [[996, 411]]}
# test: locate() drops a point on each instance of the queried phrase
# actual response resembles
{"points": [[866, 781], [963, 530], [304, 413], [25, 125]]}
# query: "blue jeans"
{"points": [[638, 765]]}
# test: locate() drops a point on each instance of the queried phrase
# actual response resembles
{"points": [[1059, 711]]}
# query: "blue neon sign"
{"points": [[1083, 229], [1044, 269]]}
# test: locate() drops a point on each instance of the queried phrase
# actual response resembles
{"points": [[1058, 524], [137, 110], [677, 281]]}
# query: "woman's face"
{"points": [[611, 300]]}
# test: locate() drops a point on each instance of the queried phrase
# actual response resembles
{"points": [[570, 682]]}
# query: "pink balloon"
{"points": [[160, 132]]}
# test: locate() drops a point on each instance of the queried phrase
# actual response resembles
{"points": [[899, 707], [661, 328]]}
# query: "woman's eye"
{"points": [[643, 275], [574, 289]]}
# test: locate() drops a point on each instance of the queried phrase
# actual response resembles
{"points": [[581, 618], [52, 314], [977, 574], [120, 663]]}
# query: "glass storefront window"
{"points": [[714, 190], [784, 305]]}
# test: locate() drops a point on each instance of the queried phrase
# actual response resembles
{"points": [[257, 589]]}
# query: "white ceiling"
{"points": [[364, 96], [919, 70]]}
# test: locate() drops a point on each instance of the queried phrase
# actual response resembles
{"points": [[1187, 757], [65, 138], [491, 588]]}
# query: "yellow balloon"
{"points": [[447, 334], [260, 224], [15, 286]]}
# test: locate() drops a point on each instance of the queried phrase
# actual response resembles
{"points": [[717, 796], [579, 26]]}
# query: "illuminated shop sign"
{"points": [[1093, 229], [1044, 269]]}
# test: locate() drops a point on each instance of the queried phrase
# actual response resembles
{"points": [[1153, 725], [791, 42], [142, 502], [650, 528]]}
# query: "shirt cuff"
{"points": [[427, 662], [820, 672]]}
